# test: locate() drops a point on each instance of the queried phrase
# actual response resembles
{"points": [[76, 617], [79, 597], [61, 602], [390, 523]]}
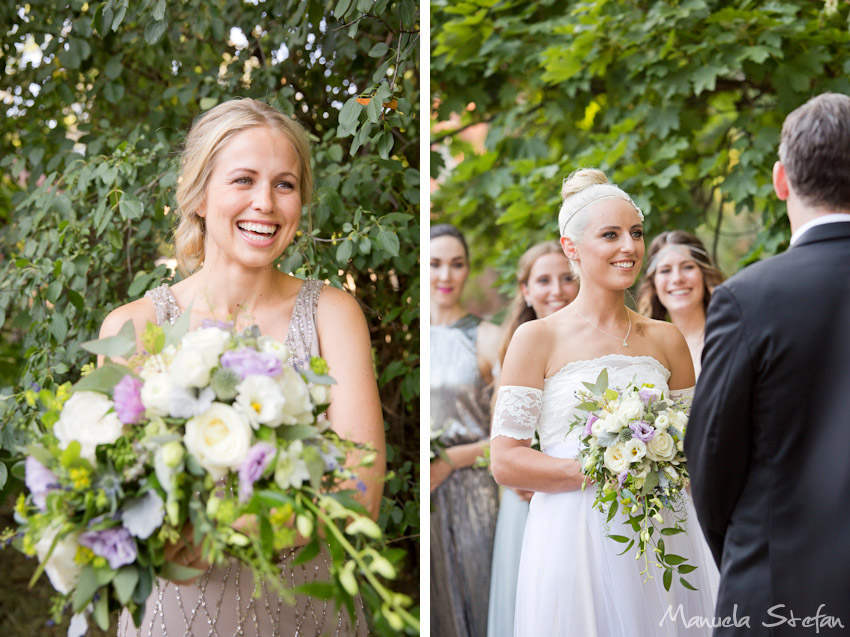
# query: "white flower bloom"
{"points": [[63, 571], [629, 409], [87, 418], [298, 408], [271, 346], [635, 450], [260, 399], [156, 364], [156, 393], [321, 394], [679, 419], [192, 367], [210, 341], [291, 470], [615, 458], [613, 423], [661, 447], [680, 445], [219, 439], [142, 516], [165, 473], [597, 427], [662, 421]]}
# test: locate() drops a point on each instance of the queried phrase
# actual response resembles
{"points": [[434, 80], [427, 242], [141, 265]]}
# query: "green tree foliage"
{"points": [[679, 101], [98, 97]]}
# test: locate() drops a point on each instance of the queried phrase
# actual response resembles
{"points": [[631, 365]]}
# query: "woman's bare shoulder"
{"points": [[140, 311]]}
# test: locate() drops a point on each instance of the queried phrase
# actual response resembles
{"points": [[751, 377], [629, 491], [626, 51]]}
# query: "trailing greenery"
{"points": [[98, 97], [679, 101]]}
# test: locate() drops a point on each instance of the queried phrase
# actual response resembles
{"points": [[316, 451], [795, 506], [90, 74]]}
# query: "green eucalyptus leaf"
{"points": [[122, 345]]}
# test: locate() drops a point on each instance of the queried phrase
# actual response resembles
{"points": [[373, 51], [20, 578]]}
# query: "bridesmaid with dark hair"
{"points": [[680, 277], [545, 284], [464, 498]]}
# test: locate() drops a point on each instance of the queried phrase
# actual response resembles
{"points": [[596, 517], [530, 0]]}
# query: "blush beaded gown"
{"points": [[221, 602]]}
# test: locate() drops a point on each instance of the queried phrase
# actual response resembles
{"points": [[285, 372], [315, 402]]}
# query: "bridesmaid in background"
{"points": [[545, 285], [680, 277], [464, 499]]}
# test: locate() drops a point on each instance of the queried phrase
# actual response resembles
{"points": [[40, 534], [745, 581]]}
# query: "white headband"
{"points": [[685, 249], [577, 202]]}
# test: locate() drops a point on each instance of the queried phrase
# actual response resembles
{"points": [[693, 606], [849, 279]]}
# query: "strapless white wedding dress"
{"points": [[571, 579]]}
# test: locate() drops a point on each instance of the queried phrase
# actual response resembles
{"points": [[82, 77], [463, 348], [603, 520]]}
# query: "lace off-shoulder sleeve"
{"points": [[517, 412], [686, 394]]}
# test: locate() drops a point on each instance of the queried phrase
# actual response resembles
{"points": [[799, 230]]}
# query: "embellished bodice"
{"points": [[302, 338], [521, 410], [460, 399]]}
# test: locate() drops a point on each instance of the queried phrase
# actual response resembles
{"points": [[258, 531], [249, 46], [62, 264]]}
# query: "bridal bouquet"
{"points": [[211, 436], [631, 447]]}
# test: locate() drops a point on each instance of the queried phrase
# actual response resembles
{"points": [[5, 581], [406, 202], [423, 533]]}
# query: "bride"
{"points": [[571, 579]]}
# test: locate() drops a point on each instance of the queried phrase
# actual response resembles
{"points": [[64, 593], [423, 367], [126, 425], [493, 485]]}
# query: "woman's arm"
{"points": [[460, 456], [678, 356], [513, 461], [355, 407], [487, 351]]}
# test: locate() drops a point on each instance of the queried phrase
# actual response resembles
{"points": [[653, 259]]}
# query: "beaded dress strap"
{"points": [[301, 339], [165, 304]]}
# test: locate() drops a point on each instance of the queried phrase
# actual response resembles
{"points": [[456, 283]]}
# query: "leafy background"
{"points": [[679, 101], [98, 97]]}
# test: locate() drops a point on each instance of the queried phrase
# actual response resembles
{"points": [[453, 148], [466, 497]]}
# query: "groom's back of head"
{"points": [[815, 151]]}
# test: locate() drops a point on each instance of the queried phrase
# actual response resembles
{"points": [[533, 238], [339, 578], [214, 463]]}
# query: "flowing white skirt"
{"points": [[573, 582]]}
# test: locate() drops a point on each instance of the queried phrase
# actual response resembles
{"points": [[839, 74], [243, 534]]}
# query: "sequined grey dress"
{"points": [[464, 507], [220, 603]]}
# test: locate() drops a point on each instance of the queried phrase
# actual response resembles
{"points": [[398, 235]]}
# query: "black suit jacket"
{"points": [[769, 332]]}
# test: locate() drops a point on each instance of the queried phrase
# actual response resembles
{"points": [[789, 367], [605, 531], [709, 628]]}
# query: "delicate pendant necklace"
{"points": [[624, 339]]}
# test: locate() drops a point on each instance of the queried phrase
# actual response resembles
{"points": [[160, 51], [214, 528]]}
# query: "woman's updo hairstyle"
{"points": [[582, 188], [208, 135]]}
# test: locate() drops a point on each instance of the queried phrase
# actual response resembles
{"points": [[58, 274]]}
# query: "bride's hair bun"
{"points": [[581, 179]]}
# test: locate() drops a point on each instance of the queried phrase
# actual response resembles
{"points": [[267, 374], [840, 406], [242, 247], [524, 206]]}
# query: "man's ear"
{"points": [[780, 181]]}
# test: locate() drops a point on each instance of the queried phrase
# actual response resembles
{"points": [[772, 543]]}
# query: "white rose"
{"points": [[613, 423], [210, 341], [630, 409], [271, 346], [260, 399], [661, 447], [156, 394], [298, 408], [85, 419], [63, 571], [192, 367], [219, 439], [321, 394], [635, 450], [615, 458], [662, 421]]}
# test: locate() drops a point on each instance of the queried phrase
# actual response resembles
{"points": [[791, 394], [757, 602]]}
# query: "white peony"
{"points": [[613, 423], [629, 409], [662, 421], [298, 408], [219, 439], [271, 346], [615, 458], [88, 417], [635, 450], [156, 394], [661, 447], [63, 571], [260, 399]]}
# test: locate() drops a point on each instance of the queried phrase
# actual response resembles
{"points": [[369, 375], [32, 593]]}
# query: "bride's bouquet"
{"points": [[631, 447], [211, 437]]}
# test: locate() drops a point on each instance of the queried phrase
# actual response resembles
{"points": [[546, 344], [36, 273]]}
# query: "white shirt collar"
{"points": [[817, 221]]}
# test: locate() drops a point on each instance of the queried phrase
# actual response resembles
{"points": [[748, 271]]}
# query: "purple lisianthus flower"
{"points": [[588, 431], [648, 394], [258, 458], [127, 397], [115, 544], [622, 478], [39, 480], [246, 361], [643, 431]]}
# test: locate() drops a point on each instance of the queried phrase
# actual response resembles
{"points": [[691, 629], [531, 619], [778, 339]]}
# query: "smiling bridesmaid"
{"points": [[680, 277], [464, 498]]}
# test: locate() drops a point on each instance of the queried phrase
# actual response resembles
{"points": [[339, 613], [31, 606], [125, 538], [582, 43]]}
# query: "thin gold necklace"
{"points": [[624, 339]]}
